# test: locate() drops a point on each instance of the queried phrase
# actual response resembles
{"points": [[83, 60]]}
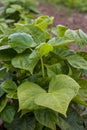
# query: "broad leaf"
{"points": [[75, 120], [29, 61], [9, 86], [83, 90], [60, 42], [26, 61], [37, 34], [77, 61], [61, 30], [83, 36], [63, 124], [21, 41], [43, 21], [27, 92], [7, 54], [72, 122], [79, 36], [45, 49], [73, 35], [63, 53], [62, 89], [12, 95], [27, 122], [47, 118], [53, 70], [8, 114], [3, 102], [13, 8], [2, 72], [83, 54]]}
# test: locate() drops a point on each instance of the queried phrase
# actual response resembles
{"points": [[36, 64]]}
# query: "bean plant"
{"points": [[42, 84], [13, 11]]}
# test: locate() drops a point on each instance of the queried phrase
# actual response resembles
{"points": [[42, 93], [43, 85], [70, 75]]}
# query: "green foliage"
{"points": [[50, 118], [14, 11], [41, 76], [72, 122], [79, 5]]}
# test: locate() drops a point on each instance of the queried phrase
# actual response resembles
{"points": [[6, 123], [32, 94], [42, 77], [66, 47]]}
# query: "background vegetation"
{"points": [[80, 5]]}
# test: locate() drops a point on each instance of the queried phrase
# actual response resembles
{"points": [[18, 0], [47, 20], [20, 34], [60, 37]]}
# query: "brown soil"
{"points": [[64, 16]]}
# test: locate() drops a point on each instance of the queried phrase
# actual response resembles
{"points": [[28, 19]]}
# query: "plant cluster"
{"points": [[13, 11], [41, 83], [79, 5]]}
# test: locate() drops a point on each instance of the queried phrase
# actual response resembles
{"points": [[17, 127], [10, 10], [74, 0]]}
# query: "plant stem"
{"points": [[42, 65]]}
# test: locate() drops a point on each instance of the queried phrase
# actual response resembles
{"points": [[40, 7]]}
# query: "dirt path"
{"points": [[75, 20]]}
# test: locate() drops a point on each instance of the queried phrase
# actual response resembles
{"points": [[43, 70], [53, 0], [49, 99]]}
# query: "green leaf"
{"points": [[43, 21], [8, 114], [53, 70], [29, 61], [83, 54], [12, 95], [47, 118], [27, 122], [62, 89], [3, 102], [37, 34], [44, 49], [54, 31], [27, 92], [63, 53], [79, 100], [21, 41], [26, 61], [2, 72], [72, 35], [7, 54], [9, 86], [3, 40], [3, 28], [59, 42], [83, 37], [13, 8], [63, 124], [77, 61], [61, 30], [78, 35], [1, 92], [83, 90], [75, 120]]}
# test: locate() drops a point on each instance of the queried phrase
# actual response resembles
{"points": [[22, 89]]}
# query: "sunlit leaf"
{"points": [[27, 92]]}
